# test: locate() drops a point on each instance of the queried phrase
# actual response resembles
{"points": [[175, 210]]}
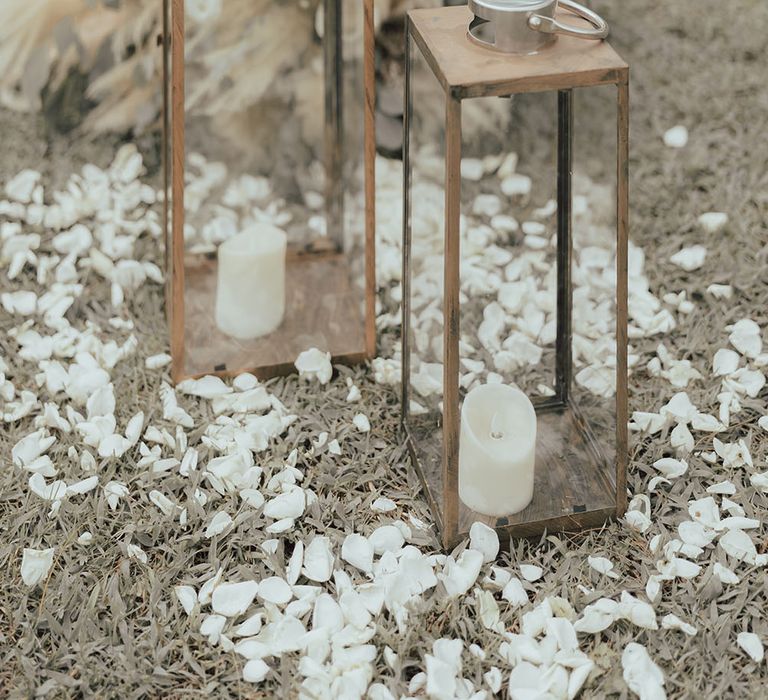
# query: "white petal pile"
{"points": [[326, 591]]}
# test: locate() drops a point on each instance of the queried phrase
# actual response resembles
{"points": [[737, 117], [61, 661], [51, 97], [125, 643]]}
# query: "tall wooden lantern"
{"points": [[269, 153], [514, 311]]}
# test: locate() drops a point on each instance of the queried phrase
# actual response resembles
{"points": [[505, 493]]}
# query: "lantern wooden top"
{"points": [[468, 70]]}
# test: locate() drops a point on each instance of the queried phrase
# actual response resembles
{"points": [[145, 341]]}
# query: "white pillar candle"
{"points": [[250, 292], [497, 450]]}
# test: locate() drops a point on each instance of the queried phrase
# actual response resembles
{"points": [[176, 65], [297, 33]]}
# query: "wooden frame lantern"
{"points": [[269, 154], [491, 440]]}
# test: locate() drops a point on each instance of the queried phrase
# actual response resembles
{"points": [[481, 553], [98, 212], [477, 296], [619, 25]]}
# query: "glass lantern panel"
{"points": [[594, 323], [536, 448], [508, 303], [273, 195], [508, 243], [424, 410]]}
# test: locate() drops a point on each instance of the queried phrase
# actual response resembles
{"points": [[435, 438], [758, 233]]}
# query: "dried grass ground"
{"points": [[107, 627]]}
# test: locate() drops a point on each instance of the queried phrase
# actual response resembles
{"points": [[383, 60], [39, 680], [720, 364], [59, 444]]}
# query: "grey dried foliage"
{"points": [[108, 626]]}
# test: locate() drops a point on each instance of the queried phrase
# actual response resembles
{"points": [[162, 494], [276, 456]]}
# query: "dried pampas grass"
{"points": [[235, 60]]}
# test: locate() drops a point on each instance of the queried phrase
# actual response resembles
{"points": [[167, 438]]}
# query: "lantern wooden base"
{"points": [[574, 484], [320, 297]]}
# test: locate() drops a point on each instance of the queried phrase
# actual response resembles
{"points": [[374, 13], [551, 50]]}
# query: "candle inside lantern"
{"points": [[497, 450], [250, 294]]}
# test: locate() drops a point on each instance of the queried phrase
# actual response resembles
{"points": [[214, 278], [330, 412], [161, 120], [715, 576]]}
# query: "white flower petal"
{"points": [[386, 538], [691, 258], [751, 643], [362, 423], [673, 622], [255, 671], [314, 364], [676, 137], [287, 505], [458, 576], [485, 540], [641, 674], [220, 522], [187, 597], [157, 361], [738, 544], [603, 566], [275, 590], [745, 337], [531, 572], [358, 551], [713, 221], [207, 387], [383, 505], [35, 565], [318, 560]]}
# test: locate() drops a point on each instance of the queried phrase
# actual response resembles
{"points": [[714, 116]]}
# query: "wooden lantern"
{"points": [[303, 156], [580, 468]]}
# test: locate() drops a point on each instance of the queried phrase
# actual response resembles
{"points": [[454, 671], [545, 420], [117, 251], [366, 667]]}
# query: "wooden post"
{"points": [[452, 316], [177, 189], [622, 236], [405, 332]]}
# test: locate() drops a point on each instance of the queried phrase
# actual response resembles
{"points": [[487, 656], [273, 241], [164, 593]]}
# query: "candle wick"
{"points": [[496, 431]]}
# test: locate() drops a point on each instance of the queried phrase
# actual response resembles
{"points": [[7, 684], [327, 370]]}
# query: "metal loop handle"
{"points": [[548, 25]]}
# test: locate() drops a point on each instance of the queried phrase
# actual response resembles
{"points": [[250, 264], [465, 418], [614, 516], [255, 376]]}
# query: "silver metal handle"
{"points": [[548, 25]]}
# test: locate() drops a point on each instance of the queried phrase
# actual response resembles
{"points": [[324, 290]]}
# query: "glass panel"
{"points": [[167, 161], [427, 197], [594, 273], [509, 230], [509, 302], [270, 267], [534, 444]]}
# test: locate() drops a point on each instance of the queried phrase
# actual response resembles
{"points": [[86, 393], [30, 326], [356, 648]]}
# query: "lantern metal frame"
{"points": [[466, 70], [333, 272]]}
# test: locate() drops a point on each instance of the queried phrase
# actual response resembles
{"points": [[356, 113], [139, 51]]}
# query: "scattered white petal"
{"points": [[362, 423], [745, 337], [531, 572], [485, 540], [35, 565], [386, 538], [187, 597], [157, 361], [691, 258], [255, 671], [713, 221], [383, 505], [751, 643], [641, 674], [676, 137], [275, 590], [220, 522], [315, 364], [459, 575], [358, 551], [602, 566], [318, 560], [207, 387]]}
